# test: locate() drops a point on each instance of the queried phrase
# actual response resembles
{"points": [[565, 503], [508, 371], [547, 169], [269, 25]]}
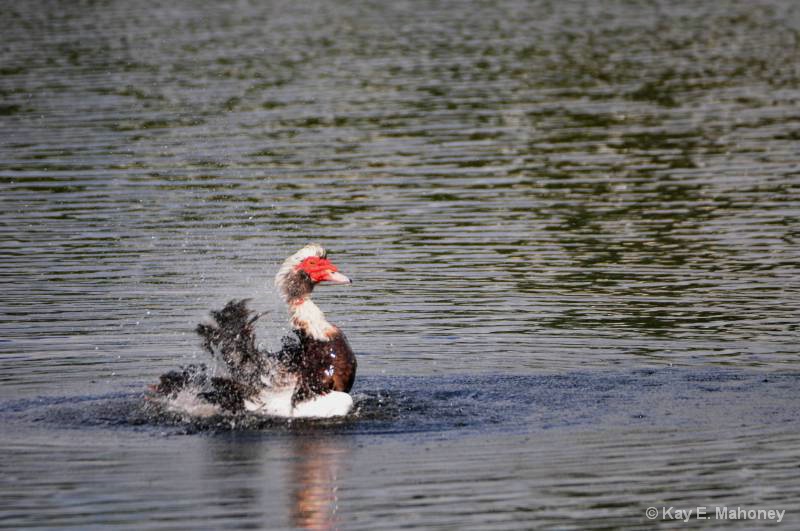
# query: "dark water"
{"points": [[573, 450], [573, 229]]}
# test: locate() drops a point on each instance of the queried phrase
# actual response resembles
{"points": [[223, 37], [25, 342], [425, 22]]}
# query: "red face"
{"points": [[322, 270]]}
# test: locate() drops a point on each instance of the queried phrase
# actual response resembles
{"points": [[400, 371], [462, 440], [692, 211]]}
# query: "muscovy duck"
{"points": [[309, 377]]}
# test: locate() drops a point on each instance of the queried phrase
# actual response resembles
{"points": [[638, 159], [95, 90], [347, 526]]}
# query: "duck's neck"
{"points": [[306, 316]]}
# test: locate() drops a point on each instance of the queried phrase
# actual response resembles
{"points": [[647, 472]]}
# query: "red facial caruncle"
{"points": [[322, 270]]}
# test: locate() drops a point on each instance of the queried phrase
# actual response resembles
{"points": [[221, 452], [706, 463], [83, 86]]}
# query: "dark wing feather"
{"points": [[174, 381], [230, 337], [226, 393], [309, 369]]}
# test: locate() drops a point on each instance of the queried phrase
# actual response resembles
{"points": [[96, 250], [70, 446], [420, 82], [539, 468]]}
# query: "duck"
{"points": [[309, 377]]}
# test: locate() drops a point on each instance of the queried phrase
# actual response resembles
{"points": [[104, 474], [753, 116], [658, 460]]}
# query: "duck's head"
{"points": [[305, 269]]}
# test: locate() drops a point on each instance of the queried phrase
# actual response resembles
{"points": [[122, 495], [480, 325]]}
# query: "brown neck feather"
{"points": [[298, 286]]}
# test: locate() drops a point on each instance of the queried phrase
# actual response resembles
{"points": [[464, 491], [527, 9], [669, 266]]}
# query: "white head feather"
{"points": [[289, 265]]}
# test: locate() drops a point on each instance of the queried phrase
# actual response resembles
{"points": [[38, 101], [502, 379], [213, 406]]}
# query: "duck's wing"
{"points": [[227, 393], [224, 393], [308, 369], [231, 339], [175, 381]]}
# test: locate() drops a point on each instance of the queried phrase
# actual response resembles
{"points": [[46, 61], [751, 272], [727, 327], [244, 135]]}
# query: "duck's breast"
{"points": [[334, 359]]}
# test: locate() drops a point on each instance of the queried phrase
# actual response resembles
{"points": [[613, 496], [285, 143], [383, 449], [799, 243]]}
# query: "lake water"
{"points": [[572, 227]]}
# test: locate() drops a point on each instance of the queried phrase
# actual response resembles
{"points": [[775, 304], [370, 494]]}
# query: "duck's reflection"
{"points": [[307, 466], [314, 471]]}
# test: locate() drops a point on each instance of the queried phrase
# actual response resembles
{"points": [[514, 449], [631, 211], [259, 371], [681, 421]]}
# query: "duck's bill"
{"points": [[337, 278]]}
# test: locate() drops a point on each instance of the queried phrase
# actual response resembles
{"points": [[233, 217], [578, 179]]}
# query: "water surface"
{"points": [[573, 230]]}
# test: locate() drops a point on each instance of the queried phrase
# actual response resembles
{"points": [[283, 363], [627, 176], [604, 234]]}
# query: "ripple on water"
{"points": [[472, 405], [504, 178]]}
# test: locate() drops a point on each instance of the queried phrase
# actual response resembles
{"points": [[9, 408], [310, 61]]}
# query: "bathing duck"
{"points": [[309, 377]]}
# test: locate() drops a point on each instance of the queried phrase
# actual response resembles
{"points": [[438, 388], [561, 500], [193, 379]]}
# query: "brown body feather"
{"points": [[324, 366]]}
